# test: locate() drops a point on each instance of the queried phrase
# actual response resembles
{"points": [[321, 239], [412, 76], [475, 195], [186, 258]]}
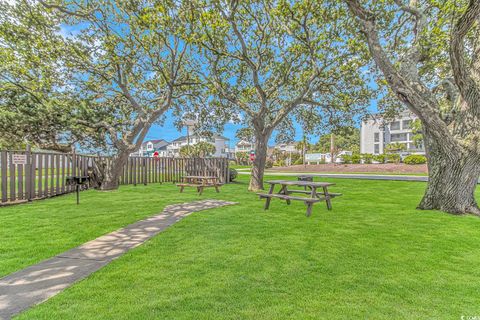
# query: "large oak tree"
{"points": [[125, 62], [267, 58], [429, 54]]}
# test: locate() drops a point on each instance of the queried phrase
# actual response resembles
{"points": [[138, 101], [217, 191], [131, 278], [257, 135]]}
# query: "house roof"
{"points": [[244, 143], [184, 138], [159, 143], [217, 136]]}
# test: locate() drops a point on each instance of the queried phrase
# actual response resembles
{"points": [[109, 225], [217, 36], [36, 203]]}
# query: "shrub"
{"points": [[367, 158], [296, 157], [393, 158], [298, 161], [379, 158], [268, 164], [415, 159], [233, 174], [356, 158], [347, 158], [279, 163]]}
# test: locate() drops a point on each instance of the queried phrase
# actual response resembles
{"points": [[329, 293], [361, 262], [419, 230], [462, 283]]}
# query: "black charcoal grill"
{"points": [[77, 181]]}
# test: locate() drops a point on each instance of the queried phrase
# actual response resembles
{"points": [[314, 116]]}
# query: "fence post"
{"points": [[145, 168], [28, 174], [3, 164]]}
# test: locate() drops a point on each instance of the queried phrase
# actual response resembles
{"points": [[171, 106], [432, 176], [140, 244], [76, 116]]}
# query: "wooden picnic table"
{"points": [[200, 182], [285, 193]]}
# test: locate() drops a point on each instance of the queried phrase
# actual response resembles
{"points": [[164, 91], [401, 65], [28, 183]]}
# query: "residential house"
{"points": [[244, 146], [149, 147], [222, 149], [377, 132], [288, 147]]}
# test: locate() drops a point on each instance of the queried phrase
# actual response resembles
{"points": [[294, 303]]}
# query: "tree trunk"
{"points": [[258, 168], [112, 171], [452, 181]]}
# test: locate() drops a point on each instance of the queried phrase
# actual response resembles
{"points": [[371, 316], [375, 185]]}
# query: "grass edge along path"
{"points": [[39, 282]]}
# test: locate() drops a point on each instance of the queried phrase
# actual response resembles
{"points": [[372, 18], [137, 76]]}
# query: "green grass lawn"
{"points": [[373, 256]]}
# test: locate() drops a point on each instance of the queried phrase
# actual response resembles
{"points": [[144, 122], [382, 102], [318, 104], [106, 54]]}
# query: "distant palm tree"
{"points": [[303, 146], [395, 147], [204, 149]]}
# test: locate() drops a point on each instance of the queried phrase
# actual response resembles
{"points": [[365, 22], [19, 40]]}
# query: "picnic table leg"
{"points": [[309, 208], [313, 195], [285, 192], [181, 189], [327, 198], [200, 191], [267, 201], [216, 188]]}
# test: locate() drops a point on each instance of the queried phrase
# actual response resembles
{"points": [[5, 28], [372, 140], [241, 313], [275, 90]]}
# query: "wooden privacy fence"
{"points": [[29, 175], [146, 170]]}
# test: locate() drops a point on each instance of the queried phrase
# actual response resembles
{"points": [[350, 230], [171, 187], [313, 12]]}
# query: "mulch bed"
{"points": [[344, 168]]}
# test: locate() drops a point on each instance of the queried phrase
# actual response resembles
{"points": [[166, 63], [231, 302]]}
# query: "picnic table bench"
{"points": [[200, 182], [285, 193]]}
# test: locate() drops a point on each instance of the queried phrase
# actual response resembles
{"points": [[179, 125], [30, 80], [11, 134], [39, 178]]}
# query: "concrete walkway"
{"points": [[37, 283]]}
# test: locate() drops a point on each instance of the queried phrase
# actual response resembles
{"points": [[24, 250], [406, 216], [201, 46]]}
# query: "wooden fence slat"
{"points": [[28, 174], [45, 188], [57, 163], [64, 159], [134, 171], [33, 175], [20, 181], [52, 175], [39, 175], [12, 177], [3, 164]]}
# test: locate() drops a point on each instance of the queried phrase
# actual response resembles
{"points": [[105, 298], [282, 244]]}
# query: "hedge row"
{"points": [[383, 158]]}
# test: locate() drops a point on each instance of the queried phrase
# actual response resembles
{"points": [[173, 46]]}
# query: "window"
{"points": [[406, 124], [376, 137], [377, 149], [398, 137], [395, 125]]}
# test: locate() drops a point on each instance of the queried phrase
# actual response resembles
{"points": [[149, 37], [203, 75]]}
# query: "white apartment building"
{"points": [[376, 133], [221, 145]]}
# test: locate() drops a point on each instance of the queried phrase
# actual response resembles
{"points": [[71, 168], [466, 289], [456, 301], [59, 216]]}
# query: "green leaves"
{"points": [[200, 149]]}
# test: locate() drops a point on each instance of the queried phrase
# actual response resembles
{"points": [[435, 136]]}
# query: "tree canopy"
{"points": [[265, 59]]}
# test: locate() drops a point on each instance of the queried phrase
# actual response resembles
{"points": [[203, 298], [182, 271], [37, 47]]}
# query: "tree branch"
{"points": [[462, 75]]}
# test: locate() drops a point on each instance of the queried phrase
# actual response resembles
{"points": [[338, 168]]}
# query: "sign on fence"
{"points": [[19, 158]]}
